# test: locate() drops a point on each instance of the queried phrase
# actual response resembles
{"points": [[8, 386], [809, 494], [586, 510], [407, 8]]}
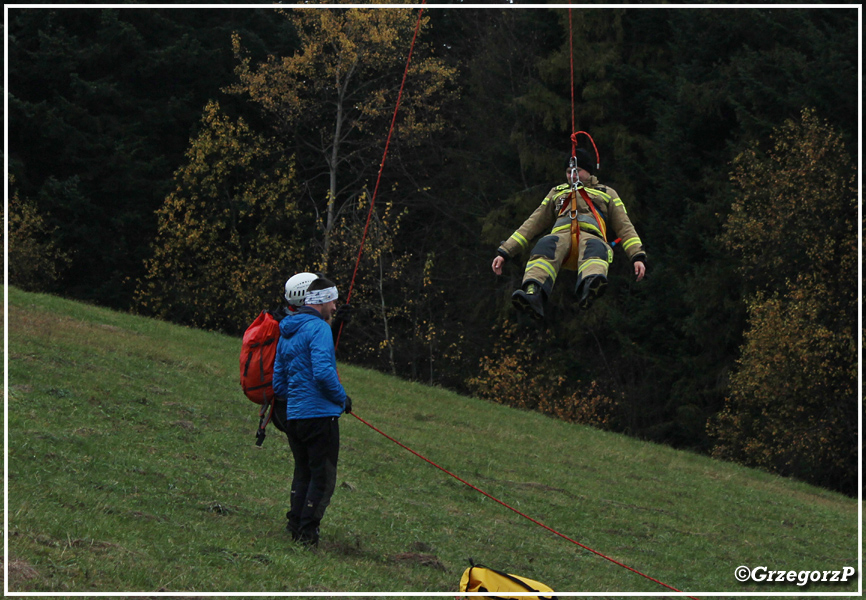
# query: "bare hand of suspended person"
{"points": [[639, 269], [497, 264]]}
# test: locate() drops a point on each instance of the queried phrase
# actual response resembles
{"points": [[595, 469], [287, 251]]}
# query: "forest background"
{"points": [[183, 163]]}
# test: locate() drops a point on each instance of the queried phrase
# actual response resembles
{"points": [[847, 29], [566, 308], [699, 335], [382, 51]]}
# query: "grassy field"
{"points": [[132, 468]]}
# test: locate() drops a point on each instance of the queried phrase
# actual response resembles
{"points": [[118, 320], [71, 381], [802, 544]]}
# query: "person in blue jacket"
{"points": [[305, 374], [296, 288]]}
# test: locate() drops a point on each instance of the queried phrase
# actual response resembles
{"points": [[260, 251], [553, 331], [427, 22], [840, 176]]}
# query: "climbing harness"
{"points": [[349, 295]]}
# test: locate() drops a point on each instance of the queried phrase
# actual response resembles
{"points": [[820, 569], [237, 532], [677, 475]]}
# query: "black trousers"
{"points": [[315, 445]]}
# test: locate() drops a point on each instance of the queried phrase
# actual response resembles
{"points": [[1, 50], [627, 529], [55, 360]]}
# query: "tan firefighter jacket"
{"points": [[552, 214]]}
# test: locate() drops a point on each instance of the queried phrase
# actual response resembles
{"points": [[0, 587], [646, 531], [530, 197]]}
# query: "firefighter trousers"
{"points": [[551, 252]]}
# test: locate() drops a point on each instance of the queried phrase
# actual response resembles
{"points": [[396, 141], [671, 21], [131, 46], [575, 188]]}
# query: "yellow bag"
{"points": [[478, 578]]}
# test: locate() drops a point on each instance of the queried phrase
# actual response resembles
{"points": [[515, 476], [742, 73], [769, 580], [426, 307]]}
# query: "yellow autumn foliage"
{"points": [[228, 234], [792, 407]]}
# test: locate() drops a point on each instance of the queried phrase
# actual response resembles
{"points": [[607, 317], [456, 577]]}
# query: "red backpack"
{"points": [[258, 350]]}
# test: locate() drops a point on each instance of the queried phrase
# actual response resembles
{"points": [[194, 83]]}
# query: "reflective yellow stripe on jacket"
{"points": [[630, 242], [519, 239], [590, 228]]}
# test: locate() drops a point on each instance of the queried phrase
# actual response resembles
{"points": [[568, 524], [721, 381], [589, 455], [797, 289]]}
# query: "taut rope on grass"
{"points": [[525, 516], [352, 285]]}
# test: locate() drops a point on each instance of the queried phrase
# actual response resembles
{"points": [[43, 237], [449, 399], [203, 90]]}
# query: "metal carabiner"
{"points": [[574, 172]]}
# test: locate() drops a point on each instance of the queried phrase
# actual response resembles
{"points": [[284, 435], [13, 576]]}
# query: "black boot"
{"points": [[292, 526], [530, 300], [309, 537], [594, 287]]}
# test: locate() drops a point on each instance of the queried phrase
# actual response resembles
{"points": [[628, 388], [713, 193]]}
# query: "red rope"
{"points": [[574, 146], [573, 126], [571, 62], [381, 168], [387, 143], [539, 523]]}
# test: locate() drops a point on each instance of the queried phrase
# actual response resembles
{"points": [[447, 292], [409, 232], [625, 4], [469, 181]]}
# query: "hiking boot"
{"points": [[529, 300], [594, 287], [309, 539], [291, 527]]}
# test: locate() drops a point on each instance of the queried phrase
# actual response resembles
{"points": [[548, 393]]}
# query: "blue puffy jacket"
{"points": [[305, 369]]}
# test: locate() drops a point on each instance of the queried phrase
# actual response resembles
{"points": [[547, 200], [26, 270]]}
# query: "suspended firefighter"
{"points": [[579, 213]]}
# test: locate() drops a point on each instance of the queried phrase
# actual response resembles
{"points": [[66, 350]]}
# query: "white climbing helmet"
{"points": [[296, 287]]}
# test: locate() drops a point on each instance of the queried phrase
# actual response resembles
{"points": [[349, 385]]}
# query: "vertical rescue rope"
{"points": [[573, 164], [571, 63], [573, 125]]}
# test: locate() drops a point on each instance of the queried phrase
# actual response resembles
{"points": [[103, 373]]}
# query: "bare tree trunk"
{"points": [[334, 159], [430, 346], [332, 183]]}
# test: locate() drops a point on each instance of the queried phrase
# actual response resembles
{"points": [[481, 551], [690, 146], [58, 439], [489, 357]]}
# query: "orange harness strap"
{"points": [[601, 225], [570, 262]]}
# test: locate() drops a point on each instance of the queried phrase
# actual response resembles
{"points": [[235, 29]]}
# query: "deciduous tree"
{"points": [[34, 259], [379, 291], [792, 406], [228, 232], [334, 98]]}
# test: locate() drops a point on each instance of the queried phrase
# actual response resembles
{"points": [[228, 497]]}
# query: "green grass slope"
{"points": [[132, 468]]}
